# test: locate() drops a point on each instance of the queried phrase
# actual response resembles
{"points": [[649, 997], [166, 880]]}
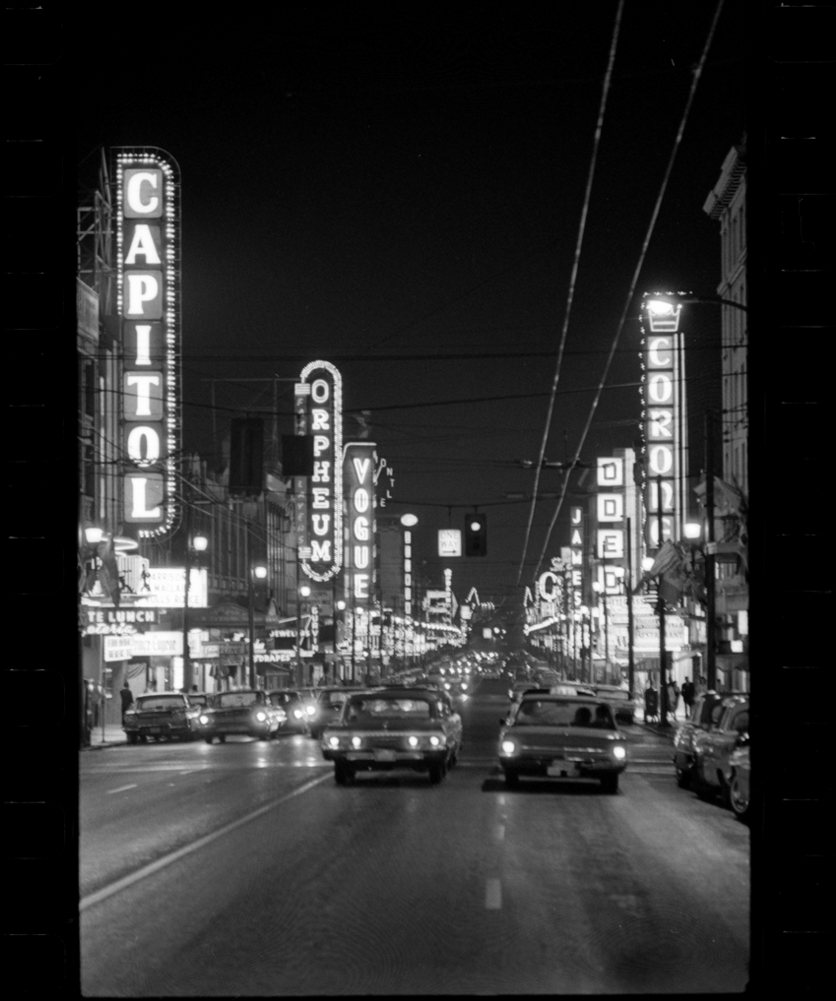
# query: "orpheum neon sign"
{"points": [[148, 304], [319, 409]]}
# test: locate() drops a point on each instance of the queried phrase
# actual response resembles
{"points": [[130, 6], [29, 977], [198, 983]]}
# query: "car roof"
{"points": [[546, 695]]}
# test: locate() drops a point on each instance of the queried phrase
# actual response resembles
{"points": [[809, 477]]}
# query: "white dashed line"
{"points": [[493, 895], [121, 789]]}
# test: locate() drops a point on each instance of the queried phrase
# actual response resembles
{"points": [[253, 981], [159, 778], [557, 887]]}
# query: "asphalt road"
{"points": [[242, 869]]}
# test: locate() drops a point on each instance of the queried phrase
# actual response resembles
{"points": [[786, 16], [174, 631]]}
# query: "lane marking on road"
{"points": [[500, 832], [207, 839], [493, 894], [110, 792]]}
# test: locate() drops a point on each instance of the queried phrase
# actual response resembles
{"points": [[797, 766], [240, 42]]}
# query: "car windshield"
{"points": [[227, 700], [159, 702], [377, 708], [553, 712], [199, 700], [333, 700]]}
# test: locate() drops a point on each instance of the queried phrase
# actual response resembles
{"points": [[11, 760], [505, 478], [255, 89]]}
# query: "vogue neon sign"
{"points": [[148, 304], [360, 461]]}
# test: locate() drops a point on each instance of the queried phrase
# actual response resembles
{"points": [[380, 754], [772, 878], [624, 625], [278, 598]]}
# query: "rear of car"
{"points": [[714, 747], [562, 737], [161, 716], [619, 700]]}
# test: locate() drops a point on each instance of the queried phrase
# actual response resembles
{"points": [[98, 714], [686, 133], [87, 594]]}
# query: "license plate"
{"points": [[385, 756], [155, 729], [565, 766]]}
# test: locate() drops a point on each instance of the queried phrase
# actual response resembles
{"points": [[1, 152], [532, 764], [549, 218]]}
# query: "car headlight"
{"points": [[333, 742], [310, 710], [435, 741], [508, 746], [298, 713], [619, 752], [261, 716], [412, 741], [204, 719], [356, 741]]}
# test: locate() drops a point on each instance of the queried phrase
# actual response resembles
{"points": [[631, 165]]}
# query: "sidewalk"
{"points": [[112, 736], [675, 720]]}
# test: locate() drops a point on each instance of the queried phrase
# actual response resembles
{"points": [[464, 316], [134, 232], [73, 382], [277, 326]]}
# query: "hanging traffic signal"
{"points": [[476, 535]]}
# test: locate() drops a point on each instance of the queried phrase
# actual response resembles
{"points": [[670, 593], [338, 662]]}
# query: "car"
{"points": [[546, 678], [683, 743], [393, 728], [738, 779], [329, 702], [714, 746], [161, 715], [297, 705], [621, 701], [562, 737], [246, 711], [198, 701]]}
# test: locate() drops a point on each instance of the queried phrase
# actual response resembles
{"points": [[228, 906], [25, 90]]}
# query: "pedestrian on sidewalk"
{"points": [[673, 697], [688, 696], [127, 697]]}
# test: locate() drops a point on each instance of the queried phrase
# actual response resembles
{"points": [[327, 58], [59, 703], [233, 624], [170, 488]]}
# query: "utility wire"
{"points": [[572, 280], [697, 73]]}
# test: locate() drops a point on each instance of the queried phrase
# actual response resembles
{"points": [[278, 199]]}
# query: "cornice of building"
{"points": [[731, 178]]}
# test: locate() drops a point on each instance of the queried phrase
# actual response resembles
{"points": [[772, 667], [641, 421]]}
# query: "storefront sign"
{"points": [[148, 302], [318, 408]]}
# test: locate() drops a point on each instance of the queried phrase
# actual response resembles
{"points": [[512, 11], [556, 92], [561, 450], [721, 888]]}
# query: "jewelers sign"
{"points": [[148, 303]]}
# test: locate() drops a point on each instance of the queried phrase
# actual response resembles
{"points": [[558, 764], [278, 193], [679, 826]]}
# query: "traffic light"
{"points": [[476, 535]]}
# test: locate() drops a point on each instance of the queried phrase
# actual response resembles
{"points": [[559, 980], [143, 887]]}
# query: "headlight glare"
{"points": [[508, 747], [412, 741], [204, 720], [333, 742], [261, 716], [435, 741], [619, 752], [356, 741]]}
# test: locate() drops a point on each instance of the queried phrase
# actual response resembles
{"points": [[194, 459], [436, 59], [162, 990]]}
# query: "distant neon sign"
{"points": [[148, 305]]}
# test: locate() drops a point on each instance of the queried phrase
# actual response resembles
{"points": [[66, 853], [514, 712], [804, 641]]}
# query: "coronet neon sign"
{"points": [[319, 414], [661, 416], [148, 305]]}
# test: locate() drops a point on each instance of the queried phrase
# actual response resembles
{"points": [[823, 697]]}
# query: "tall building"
{"points": [[727, 205]]}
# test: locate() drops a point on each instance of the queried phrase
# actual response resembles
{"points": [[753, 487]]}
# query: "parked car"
{"points": [[198, 701], [329, 702], [163, 716], [714, 746], [393, 728], [562, 737], [683, 744], [246, 711], [298, 708], [620, 701], [737, 779]]}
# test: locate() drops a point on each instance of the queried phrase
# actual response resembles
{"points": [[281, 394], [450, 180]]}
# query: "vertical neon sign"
{"points": [[360, 460], [148, 305], [319, 410]]}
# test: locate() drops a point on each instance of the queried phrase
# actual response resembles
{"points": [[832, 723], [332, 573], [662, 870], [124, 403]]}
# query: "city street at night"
{"points": [[243, 869]]}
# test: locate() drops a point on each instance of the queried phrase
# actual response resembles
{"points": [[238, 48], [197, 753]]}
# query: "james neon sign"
{"points": [[148, 304], [319, 410]]}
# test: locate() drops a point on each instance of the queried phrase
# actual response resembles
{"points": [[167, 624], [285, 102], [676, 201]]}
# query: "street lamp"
{"points": [[304, 592], [198, 543], [340, 634], [257, 572]]}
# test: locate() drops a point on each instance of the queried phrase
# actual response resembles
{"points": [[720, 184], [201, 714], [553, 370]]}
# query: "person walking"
{"points": [[673, 697], [127, 697], [687, 691]]}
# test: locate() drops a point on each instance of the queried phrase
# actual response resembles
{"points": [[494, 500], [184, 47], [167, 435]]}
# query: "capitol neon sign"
{"points": [[148, 305]]}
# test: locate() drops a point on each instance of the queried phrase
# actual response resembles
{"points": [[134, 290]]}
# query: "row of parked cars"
{"points": [[711, 750], [250, 712]]}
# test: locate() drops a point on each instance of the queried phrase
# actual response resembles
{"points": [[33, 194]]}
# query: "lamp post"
{"points": [[601, 588], [93, 536], [302, 592], [340, 606], [256, 572], [199, 544]]}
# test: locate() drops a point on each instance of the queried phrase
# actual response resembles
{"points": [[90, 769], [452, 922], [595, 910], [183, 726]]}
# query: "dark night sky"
{"points": [[362, 187]]}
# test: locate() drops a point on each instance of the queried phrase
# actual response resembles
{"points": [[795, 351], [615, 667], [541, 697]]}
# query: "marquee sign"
{"points": [[610, 505], [319, 408], [360, 460], [148, 304], [663, 416]]}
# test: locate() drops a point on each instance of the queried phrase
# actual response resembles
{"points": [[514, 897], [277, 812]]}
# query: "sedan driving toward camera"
{"points": [[562, 737]]}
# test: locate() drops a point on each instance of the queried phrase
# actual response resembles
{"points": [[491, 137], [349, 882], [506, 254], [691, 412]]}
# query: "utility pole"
{"points": [[660, 608], [710, 594], [631, 665]]}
